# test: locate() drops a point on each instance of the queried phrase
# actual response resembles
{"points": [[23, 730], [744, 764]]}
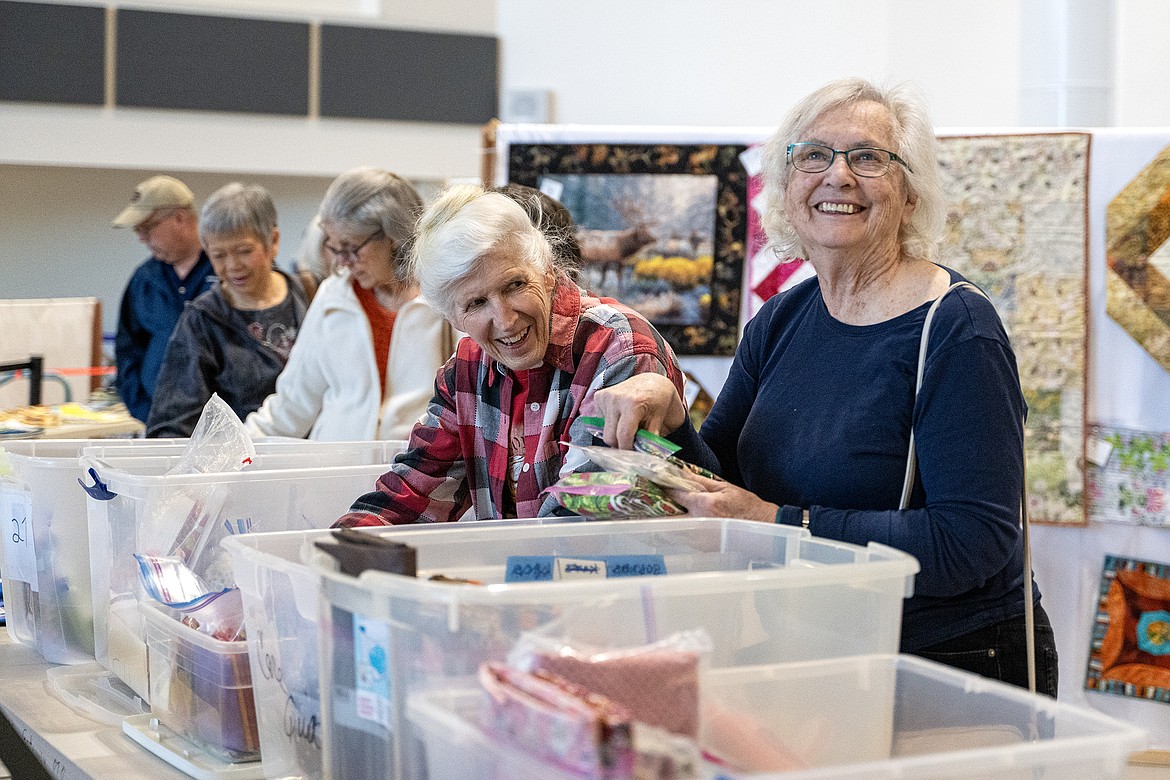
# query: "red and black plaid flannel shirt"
{"points": [[458, 453]]}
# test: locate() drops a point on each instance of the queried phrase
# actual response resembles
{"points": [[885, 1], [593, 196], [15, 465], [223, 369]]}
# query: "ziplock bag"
{"points": [[607, 495]]}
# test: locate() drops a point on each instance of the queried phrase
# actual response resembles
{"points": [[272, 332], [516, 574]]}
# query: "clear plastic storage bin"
{"points": [[280, 596], [201, 687], [47, 587], [135, 507], [872, 717], [281, 593], [764, 593], [47, 579]]}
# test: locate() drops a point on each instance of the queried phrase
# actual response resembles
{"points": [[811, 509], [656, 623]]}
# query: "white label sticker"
{"points": [[1097, 451], [552, 188], [371, 655], [20, 555], [575, 569], [752, 160]]}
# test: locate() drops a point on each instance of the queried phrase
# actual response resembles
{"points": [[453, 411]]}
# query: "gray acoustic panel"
{"points": [[377, 73], [52, 53], [212, 63]]}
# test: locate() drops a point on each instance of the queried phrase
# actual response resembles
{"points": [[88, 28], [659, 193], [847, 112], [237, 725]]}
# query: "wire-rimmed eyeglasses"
{"points": [[347, 254], [864, 161], [144, 228]]}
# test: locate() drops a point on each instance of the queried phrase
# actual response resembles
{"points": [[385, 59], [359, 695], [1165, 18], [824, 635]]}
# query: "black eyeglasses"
{"points": [[864, 161], [348, 254]]}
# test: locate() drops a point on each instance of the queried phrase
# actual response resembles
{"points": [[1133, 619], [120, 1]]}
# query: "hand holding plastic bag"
{"points": [[634, 482]]}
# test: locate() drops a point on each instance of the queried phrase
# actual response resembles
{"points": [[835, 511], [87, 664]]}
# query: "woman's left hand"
{"points": [[717, 498]]}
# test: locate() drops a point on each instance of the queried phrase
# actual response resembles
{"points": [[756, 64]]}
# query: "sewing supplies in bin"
{"points": [[201, 683], [633, 482]]}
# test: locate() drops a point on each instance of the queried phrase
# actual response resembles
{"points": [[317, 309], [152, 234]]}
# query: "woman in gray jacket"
{"points": [[233, 339]]}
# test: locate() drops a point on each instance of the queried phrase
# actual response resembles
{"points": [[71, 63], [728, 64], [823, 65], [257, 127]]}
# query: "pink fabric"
{"points": [[557, 721], [659, 687]]}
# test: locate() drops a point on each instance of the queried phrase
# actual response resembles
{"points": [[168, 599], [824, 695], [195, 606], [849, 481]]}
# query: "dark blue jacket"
{"points": [[816, 414], [151, 305]]}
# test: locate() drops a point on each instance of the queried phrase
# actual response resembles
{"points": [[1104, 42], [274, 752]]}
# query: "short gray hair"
{"points": [[464, 224], [238, 208], [915, 142], [368, 199]]}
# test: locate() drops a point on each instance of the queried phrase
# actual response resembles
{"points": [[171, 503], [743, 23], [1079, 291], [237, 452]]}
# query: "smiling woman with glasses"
{"points": [[815, 422], [364, 364]]}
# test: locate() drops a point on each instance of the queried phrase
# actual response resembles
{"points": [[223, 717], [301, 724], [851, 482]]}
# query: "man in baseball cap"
{"points": [[162, 214], [157, 192]]}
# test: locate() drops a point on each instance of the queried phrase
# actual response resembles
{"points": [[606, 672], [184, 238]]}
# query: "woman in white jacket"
{"points": [[364, 363]]}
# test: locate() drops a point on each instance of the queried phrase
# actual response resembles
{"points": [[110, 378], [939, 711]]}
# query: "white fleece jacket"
{"points": [[329, 390]]}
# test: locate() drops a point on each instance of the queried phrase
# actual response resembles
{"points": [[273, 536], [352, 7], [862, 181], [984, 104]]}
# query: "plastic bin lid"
{"points": [[857, 562], [95, 692], [186, 756]]}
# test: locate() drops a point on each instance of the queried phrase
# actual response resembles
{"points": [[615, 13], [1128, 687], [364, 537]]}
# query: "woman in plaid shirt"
{"points": [[505, 405]]}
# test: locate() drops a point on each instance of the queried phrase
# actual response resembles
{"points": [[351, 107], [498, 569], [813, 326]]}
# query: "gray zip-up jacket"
{"points": [[211, 351]]}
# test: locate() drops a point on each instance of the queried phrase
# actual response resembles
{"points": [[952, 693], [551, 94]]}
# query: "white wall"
{"points": [[56, 239], [204, 141], [651, 62], [65, 171], [1143, 60], [119, 137], [743, 62]]}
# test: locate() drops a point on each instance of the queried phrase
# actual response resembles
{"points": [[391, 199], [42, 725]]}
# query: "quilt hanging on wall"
{"points": [[659, 215], [1128, 476], [1017, 227], [662, 227], [1129, 653], [1137, 257]]}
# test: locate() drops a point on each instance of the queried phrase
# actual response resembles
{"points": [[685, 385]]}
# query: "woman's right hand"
{"points": [[647, 401]]}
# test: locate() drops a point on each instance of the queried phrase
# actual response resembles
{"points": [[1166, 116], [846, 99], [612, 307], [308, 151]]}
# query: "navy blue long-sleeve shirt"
{"points": [[151, 304], [817, 414]]}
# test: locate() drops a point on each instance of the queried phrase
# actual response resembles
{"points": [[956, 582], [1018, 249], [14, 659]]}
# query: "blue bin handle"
{"points": [[98, 489]]}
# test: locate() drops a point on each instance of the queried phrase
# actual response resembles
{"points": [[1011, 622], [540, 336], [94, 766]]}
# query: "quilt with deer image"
{"points": [[662, 228]]}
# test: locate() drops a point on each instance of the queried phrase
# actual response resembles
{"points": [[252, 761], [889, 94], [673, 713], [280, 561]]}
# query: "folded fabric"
{"points": [[557, 721], [744, 742], [660, 687]]}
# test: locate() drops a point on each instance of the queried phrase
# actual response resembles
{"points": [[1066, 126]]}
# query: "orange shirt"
{"points": [[381, 324]]}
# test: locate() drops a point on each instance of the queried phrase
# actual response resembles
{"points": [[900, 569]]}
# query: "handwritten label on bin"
{"points": [[548, 568], [20, 555]]}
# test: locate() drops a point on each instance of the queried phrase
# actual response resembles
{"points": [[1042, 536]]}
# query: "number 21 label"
{"points": [[20, 555]]}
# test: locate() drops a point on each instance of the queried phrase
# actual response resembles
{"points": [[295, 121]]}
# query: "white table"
{"points": [[74, 747], [70, 745]]}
